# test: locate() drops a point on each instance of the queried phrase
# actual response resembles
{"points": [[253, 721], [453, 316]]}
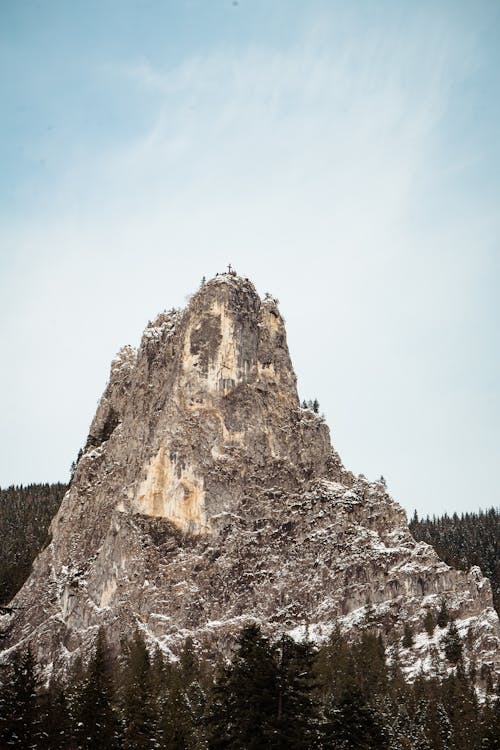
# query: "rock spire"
{"points": [[206, 497]]}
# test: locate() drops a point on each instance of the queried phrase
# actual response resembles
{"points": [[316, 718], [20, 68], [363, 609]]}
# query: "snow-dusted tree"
{"points": [[452, 643], [244, 707], [97, 726], [19, 714], [138, 702]]}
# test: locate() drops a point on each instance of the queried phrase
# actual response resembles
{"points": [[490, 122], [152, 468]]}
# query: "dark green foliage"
{"points": [[429, 623], [244, 710], [408, 636], [460, 704], [452, 644], [297, 716], [353, 675], [352, 724], [462, 541], [334, 666], [56, 726], [96, 723], [182, 703], [25, 515], [264, 698], [275, 696], [443, 616], [312, 405], [19, 705], [138, 701], [490, 725]]}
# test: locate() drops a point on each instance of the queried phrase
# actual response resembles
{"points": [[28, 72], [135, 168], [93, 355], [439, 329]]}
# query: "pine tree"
{"points": [[177, 729], [244, 705], [97, 724], [184, 704], [55, 718], [334, 666], [297, 717], [452, 643], [370, 673], [351, 724], [490, 725], [138, 703], [408, 636], [397, 686], [19, 725], [429, 623], [460, 701], [443, 615]]}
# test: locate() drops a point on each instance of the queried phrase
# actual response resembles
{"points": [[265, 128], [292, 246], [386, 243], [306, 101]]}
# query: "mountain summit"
{"points": [[206, 497]]}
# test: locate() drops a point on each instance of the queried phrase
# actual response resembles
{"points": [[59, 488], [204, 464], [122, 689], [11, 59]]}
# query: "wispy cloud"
{"points": [[318, 168]]}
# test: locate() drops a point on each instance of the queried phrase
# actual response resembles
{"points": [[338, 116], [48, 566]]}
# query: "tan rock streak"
{"points": [[173, 491]]}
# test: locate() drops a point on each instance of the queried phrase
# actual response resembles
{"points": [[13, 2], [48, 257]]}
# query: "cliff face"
{"points": [[206, 496]]}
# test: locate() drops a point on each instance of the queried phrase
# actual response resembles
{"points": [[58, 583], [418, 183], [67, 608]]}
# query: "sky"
{"points": [[344, 156]]}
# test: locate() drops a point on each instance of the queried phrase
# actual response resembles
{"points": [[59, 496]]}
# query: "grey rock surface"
{"points": [[207, 497]]}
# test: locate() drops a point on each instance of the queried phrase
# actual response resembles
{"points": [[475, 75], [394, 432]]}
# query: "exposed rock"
{"points": [[206, 496]]}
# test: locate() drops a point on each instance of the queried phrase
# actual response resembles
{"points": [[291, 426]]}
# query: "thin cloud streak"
{"points": [[312, 170]]}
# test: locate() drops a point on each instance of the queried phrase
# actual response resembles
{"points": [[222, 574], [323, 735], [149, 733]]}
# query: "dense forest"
{"points": [[269, 695], [25, 515], [462, 541]]}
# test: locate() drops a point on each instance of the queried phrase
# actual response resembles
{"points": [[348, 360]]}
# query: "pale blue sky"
{"points": [[345, 156]]}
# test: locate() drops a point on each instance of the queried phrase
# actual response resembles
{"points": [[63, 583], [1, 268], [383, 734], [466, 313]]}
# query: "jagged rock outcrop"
{"points": [[207, 496]]}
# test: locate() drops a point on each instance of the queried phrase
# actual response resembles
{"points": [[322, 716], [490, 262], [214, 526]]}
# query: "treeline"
{"points": [[278, 695], [462, 541], [25, 515]]}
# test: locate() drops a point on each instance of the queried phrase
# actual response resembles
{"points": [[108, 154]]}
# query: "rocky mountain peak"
{"points": [[218, 389], [206, 496]]}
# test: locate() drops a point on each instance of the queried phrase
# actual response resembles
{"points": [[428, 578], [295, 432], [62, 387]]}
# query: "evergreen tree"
{"points": [[452, 643], [334, 666], [177, 728], [443, 615], [351, 724], [96, 722], [244, 707], [19, 722], [297, 716], [138, 702], [370, 672], [461, 705], [55, 719], [462, 541], [184, 704], [429, 623], [25, 515], [490, 725], [397, 686], [408, 636]]}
